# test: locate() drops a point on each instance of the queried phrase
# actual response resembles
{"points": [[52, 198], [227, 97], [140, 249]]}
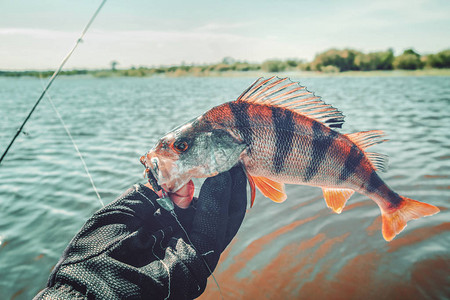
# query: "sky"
{"points": [[37, 34]]}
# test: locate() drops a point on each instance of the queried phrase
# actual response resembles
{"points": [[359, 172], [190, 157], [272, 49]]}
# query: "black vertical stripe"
{"points": [[321, 142], [239, 111], [351, 163], [377, 185], [394, 199], [284, 125], [374, 183]]}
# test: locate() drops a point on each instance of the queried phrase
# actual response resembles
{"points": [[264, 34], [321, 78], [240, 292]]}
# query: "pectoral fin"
{"points": [[252, 189], [336, 198], [271, 189]]}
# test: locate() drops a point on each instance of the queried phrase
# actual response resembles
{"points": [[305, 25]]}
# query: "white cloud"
{"points": [[222, 26], [35, 33], [38, 48], [365, 25]]}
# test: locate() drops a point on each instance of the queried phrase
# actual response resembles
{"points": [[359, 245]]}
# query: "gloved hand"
{"points": [[134, 249]]}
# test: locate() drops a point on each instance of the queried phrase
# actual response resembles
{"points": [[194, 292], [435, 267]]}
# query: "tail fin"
{"points": [[394, 221]]}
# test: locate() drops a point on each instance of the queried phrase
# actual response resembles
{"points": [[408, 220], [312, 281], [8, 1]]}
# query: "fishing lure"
{"points": [[164, 201]]}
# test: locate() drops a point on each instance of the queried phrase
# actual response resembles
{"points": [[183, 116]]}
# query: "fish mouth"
{"points": [[182, 196], [165, 171]]}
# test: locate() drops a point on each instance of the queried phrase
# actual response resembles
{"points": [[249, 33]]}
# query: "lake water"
{"points": [[298, 249]]}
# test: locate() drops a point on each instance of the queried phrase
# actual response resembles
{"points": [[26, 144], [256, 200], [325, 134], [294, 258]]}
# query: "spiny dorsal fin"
{"points": [[365, 139], [336, 198], [283, 92]]}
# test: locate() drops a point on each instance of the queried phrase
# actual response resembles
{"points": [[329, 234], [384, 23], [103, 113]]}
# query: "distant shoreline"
{"points": [[256, 73], [333, 62], [389, 73]]}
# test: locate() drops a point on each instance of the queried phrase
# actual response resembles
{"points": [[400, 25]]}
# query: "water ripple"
{"points": [[290, 250]]}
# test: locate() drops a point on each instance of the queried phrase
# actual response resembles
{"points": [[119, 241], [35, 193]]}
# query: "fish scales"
{"points": [[287, 147], [281, 133]]}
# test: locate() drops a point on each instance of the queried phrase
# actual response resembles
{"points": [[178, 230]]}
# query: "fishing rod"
{"points": [[164, 201], [55, 74]]}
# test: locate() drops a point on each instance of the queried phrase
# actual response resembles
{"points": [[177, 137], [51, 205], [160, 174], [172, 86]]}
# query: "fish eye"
{"points": [[180, 145]]}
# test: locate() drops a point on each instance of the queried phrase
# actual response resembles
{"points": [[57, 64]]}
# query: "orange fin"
{"points": [[378, 161], [252, 189], [251, 183], [365, 139], [271, 189], [283, 92], [336, 198], [394, 221]]}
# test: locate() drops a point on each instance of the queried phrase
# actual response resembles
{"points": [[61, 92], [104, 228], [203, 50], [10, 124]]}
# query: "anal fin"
{"points": [[271, 189], [336, 198]]}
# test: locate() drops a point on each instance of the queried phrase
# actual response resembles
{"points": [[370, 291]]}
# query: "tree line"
{"points": [[332, 60], [336, 60]]}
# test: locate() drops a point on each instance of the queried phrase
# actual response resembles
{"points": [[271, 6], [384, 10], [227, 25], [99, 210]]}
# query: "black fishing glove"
{"points": [[134, 249]]}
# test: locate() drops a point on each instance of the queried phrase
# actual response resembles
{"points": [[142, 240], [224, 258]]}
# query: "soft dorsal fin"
{"points": [[379, 161], [271, 189], [365, 139], [283, 92]]}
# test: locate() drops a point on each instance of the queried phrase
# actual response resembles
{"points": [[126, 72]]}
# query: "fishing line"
{"points": [[172, 212], [49, 98], [55, 74], [166, 203]]}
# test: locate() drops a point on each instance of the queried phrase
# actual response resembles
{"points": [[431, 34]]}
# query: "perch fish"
{"points": [[282, 133]]}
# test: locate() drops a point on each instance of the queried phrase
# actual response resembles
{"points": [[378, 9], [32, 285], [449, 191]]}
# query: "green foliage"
{"points": [[273, 66], [114, 65], [343, 59], [41, 74], [244, 67], [292, 63], [409, 60], [330, 61], [438, 60], [222, 67], [304, 66], [412, 52], [375, 61], [348, 59]]}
